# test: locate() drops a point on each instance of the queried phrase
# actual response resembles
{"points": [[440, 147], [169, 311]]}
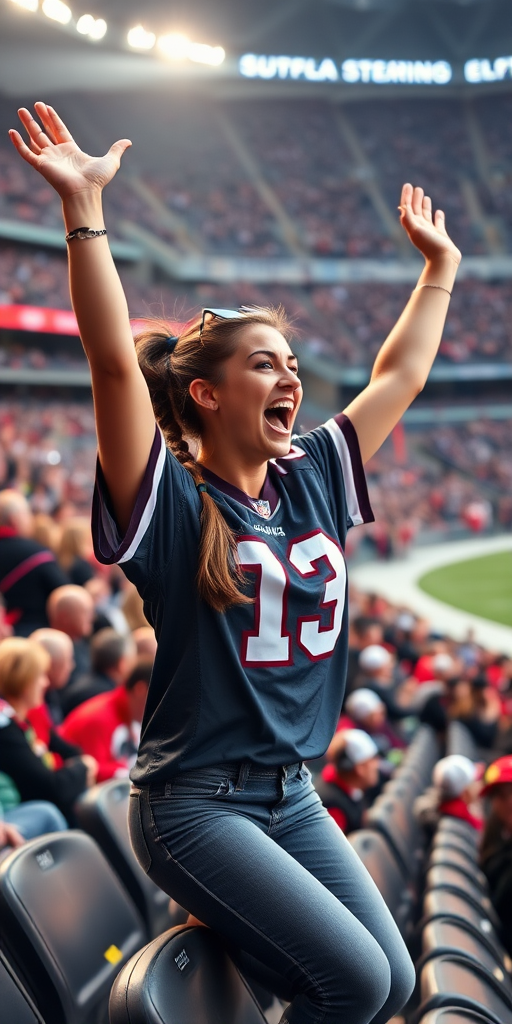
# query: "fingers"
{"points": [[427, 208], [119, 148], [23, 149], [417, 201], [439, 222], [53, 123], [38, 139]]}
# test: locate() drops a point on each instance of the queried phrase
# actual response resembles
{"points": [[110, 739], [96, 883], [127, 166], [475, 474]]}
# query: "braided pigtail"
{"points": [[169, 367]]}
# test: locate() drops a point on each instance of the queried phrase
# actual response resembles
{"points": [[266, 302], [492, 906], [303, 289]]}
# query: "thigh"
{"points": [[35, 817]]}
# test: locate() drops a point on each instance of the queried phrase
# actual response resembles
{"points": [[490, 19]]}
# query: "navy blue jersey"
{"points": [[262, 682]]}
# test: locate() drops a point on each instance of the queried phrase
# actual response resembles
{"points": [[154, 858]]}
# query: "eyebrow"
{"points": [[268, 352]]}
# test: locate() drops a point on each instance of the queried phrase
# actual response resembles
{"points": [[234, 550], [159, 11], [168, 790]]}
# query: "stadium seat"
{"points": [[422, 754], [449, 980], [444, 936], [462, 861], [17, 1006], [182, 977], [103, 812], [441, 903], [381, 864], [447, 1015], [66, 919], [453, 841], [446, 877], [393, 817], [455, 826], [460, 741]]}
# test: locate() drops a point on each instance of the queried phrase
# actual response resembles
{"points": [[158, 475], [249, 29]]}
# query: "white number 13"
{"points": [[269, 643]]}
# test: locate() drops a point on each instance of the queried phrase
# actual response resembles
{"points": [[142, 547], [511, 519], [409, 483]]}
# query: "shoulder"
{"points": [[7, 714]]}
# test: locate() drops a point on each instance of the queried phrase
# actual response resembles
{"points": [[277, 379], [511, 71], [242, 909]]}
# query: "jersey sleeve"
{"points": [[145, 550], [334, 449]]}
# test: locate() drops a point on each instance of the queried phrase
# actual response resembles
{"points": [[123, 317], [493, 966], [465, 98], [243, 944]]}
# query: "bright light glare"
{"points": [[57, 11], [175, 46], [140, 39], [201, 53], [88, 25], [28, 5]]}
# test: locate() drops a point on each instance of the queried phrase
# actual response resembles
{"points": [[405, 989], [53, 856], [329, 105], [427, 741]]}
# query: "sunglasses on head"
{"points": [[223, 314]]}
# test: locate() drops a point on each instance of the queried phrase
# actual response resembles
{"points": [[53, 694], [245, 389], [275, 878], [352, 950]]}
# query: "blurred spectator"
{"points": [[455, 792], [352, 771], [132, 607], [368, 712], [108, 726], [24, 759], [71, 609], [145, 642], [106, 607], [363, 631], [60, 648], [496, 848], [112, 656], [29, 819], [379, 672], [478, 707], [75, 551], [28, 572]]}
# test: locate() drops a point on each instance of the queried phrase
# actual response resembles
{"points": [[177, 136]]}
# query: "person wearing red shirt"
{"points": [[108, 726], [353, 769]]}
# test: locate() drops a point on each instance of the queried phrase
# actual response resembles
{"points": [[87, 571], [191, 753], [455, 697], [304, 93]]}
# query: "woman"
{"points": [[496, 848], [27, 762], [238, 555], [75, 550]]}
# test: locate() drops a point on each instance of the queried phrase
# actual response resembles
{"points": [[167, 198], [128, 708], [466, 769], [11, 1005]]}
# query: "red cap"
{"points": [[498, 771]]}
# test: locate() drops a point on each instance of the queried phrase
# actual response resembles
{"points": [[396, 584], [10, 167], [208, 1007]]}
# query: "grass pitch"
{"points": [[482, 586]]}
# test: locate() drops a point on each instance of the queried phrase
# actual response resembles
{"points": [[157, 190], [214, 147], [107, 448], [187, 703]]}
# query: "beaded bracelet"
{"points": [[82, 233]]}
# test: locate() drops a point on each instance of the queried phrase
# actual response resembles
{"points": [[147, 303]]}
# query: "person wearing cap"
{"points": [[367, 711], [352, 771], [454, 792], [378, 672], [496, 847]]}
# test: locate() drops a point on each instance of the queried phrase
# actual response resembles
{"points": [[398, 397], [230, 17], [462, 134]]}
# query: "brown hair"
{"points": [[21, 661], [169, 376], [75, 541]]}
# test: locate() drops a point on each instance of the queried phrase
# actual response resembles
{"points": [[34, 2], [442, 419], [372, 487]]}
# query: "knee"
{"points": [[363, 984], [403, 980]]}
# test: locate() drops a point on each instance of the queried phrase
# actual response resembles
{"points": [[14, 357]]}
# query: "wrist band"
{"points": [[426, 285], [82, 233]]}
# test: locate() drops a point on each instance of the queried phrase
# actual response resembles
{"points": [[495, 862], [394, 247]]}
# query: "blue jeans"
{"points": [[36, 817], [252, 853]]}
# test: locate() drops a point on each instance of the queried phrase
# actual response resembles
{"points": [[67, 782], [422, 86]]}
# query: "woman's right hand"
{"points": [[54, 153]]}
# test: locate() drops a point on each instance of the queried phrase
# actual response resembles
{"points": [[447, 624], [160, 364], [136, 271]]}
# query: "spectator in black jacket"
{"points": [[112, 658], [28, 571], [27, 761]]}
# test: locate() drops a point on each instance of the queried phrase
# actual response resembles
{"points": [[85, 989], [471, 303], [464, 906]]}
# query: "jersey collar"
{"points": [[264, 506]]}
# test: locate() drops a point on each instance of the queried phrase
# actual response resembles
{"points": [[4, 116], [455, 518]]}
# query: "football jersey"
{"points": [[262, 682]]}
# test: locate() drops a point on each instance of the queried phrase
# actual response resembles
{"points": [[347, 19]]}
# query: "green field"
{"points": [[482, 586]]}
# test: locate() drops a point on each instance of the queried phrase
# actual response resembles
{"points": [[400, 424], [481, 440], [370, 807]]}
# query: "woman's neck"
{"points": [[249, 479], [19, 706]]}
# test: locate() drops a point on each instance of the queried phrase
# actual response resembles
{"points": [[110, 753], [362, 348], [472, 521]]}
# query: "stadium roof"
{"points": [[37, 53]]}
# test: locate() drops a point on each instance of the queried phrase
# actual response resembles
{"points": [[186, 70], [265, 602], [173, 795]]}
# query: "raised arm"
{"points": [[124, 415], [405, 359]]}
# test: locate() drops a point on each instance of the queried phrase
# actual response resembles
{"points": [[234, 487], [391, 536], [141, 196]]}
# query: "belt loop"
{"points": [[243, 775]]}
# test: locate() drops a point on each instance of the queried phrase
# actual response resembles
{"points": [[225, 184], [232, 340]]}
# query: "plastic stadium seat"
{"points": [[183, 977], [444, 936], [394, 819], [448, 857], [444, 877], [446, 1015], [455, 826], [17, 1006], [422, 754], [66, 918], [103, 812], [440, 903], [453, 841], [460, 741], [450, 980], [381, 864]]}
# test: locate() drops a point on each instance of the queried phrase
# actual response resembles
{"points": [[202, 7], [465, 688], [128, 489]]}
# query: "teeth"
{"points": [[281, 405]]}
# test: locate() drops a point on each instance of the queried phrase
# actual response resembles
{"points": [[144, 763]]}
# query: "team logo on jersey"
{"points": [[262, 507]]}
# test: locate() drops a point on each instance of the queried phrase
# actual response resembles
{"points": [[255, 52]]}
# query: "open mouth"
{"points": [[279, 417]]}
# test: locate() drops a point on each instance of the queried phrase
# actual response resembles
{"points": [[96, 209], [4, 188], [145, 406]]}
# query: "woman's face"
{"points": [[34, 692], [259, 396]]}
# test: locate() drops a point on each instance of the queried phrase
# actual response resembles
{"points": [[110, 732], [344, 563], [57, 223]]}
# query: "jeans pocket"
{"points": [[198, 784], [136, 830]]}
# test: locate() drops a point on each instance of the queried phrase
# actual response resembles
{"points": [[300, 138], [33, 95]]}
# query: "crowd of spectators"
{"points": [[345, 322], [212, 186]]}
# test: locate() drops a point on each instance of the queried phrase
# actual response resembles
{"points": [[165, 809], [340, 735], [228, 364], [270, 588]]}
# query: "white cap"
{"points": [[453, 774], [374, 657], [358, 747], [405, 621], [361, 703], [443, 663]]}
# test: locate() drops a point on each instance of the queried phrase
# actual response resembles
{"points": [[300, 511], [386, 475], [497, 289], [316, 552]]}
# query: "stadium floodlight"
{"points": [[57, 11], [201, 53], [175, 45], [140, 39], [90, 26], [28, 5]]}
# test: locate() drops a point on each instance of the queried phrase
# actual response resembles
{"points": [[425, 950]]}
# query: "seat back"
{"points": [[445, 936], [461, 860], [183, 977], [447, 1015], [17, 1005], [455, 826], [454, 841], [381, 864], [422, 754], [102, 812], [454, 905], [449, 980], [394, 819], [64, 913], [446, 877], [460, 741]]}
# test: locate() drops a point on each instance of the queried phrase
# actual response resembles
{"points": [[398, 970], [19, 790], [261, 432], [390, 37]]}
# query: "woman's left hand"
{"points": [[428, 233]]}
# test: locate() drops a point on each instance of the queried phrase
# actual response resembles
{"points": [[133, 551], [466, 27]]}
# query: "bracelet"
{"points": [[85, 233], [426, 285]]}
